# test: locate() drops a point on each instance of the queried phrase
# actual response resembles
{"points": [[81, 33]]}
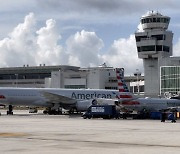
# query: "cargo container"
{"points": [[155, 115]]}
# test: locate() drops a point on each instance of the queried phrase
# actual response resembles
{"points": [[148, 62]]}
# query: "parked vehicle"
{"points": [[33, 110], [101, 111]]}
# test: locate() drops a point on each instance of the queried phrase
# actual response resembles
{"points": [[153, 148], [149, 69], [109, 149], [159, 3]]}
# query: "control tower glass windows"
{"points": [[158, 47], [148, 48], [138, 38], [139, 49], [153, 48], [149, 20], [166, 48], [159, 37], [165, 20]]}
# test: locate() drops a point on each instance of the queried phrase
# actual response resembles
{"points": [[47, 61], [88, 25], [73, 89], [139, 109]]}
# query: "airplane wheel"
{"points": [[9, 113], [45, 112]]}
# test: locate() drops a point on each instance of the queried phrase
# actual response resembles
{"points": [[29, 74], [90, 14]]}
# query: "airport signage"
{"points": [[97, 109]]}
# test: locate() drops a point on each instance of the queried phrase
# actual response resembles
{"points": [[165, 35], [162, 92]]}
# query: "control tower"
{"points": [[154, 46]]}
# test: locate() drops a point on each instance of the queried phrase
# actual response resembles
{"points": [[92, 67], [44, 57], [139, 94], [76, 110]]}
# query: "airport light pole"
{"points": [[137, 74], [16, 80]]}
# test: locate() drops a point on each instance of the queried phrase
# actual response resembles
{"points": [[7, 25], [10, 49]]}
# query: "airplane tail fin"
{"points": [[122, 87], [124, 92]]}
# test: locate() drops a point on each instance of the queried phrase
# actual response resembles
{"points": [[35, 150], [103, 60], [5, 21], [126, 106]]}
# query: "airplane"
{"points": [[133, 103], [54, 99], [81, 99]]}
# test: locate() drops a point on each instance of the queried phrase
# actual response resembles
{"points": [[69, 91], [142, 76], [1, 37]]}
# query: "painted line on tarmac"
{"points": [[6, 134], [107, 143]]}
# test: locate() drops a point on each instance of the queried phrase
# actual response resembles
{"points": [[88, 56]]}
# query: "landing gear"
{"points": [[74, 111], [10, 111], [53, 111]]}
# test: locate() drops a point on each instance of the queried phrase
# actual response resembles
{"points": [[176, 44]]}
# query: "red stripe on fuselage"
{"points": [[125, 96], [118, 77], [120, 84], [130, 103], [121, 90], [2, 97]]}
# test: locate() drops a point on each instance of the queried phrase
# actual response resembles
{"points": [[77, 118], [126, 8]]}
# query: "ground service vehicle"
{"points": [[101, 111], [33, 110]]}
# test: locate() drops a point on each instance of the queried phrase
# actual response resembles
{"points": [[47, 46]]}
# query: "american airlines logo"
{"points": [[90, 95]]}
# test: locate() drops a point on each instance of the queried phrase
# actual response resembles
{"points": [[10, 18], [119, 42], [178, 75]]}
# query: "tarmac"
{"points": [[63, 134]]}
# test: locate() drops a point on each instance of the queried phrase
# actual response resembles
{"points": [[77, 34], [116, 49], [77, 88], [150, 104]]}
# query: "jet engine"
{"points": [[85, 104]]}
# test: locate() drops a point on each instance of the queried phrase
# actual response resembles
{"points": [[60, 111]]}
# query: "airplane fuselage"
{"points": [[35, 96], [151, 104]]}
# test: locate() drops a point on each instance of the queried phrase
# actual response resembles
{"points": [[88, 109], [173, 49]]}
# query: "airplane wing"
{"points": [[171, 109], [55, 98]]}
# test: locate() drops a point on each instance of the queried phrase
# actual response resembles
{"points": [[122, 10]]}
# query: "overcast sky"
{"points": [[78, 32]]}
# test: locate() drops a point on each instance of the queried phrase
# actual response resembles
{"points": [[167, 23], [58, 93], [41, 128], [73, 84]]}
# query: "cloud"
{"points": [[48, 50], [84, 48], [100, 12], [104, 6], [20, 39], [176, 48], [123, 53], [27, 45]]}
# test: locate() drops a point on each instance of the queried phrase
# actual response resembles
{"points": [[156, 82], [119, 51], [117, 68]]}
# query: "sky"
{"points": [[84, 33]]}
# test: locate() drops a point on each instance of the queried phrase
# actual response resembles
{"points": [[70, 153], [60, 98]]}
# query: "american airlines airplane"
{"points": [[82, 99], [133, 103], [53, 99]]}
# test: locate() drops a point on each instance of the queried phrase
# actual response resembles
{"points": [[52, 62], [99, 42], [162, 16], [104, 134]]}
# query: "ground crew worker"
{"points": [[172, 117], [163, 116]]}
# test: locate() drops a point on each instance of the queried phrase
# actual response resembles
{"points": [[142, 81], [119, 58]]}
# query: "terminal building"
{"points": [[170, 80], [64, 76]]}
